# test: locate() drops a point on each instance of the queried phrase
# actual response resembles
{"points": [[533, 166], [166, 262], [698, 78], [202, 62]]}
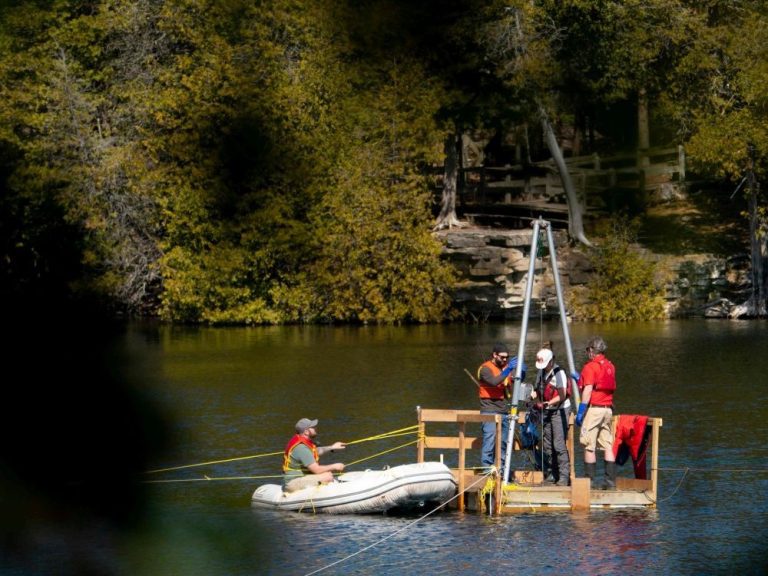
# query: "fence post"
{"points": [[681, 162]]}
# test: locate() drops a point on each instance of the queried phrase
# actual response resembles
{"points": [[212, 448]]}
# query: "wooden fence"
{"points": [[595, 177]]}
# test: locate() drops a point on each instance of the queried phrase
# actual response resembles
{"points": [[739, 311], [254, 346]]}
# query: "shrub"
{"points": [[623, 285]]}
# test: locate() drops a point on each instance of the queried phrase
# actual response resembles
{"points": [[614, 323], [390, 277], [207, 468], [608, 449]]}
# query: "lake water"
{"points": [[230, 393]]}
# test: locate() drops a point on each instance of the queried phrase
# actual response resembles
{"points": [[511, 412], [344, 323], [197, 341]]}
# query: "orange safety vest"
{"points": [[605, 384], [292, 443], [492, 392]]}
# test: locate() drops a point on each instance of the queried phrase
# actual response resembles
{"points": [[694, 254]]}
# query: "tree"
{"points": [[447, 217], [612, 51], [720, 101], [60, 117], [521, 38], [623, 286], [376, 260]]}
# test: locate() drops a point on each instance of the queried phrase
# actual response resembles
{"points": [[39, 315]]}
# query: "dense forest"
{"points": [[233, 161]]}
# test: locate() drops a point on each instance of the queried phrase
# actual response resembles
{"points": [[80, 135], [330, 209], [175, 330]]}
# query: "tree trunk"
{"points": [[643, 130], [758, 249], [759, 254], [575, 218], [577, 134], [447, 217], [757, 303]]}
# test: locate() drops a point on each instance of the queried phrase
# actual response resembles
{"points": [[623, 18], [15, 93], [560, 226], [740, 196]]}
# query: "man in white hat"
{"points": [[301, 463], [551, 391]]}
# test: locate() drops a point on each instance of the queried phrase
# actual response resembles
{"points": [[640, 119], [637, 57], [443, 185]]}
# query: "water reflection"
{"points": [[237, 392]]}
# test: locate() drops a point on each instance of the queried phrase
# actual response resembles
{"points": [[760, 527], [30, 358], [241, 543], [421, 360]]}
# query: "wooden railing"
{"points": [[462, 443], [471, 482], [592, 175]]}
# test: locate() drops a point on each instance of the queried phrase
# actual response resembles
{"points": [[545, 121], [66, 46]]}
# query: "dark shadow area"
{"points": [[707, 221], [78, 434]]}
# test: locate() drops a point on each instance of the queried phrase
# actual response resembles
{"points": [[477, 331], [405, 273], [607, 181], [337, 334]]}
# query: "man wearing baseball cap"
{"points": [[551, 395], [301, 464]]}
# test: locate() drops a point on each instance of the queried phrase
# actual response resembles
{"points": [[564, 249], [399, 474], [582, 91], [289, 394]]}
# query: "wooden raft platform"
{"points": [[526, 489]]}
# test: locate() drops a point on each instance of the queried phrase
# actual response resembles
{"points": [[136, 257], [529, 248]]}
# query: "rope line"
{"points": [[411, 443], [680, 483], [475, 483], [210, 463], [209, 478], [686, 470], [399, 432], [394, 433]]}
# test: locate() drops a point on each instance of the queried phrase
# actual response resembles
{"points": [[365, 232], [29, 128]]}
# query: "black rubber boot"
{"points": [[610, 476], [590, 471]]}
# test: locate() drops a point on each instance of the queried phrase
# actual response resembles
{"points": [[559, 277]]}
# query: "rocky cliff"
{"points": [[493, 268]]}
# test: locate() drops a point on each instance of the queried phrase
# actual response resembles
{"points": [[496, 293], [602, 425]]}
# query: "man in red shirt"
{"points": [[597, 384]]}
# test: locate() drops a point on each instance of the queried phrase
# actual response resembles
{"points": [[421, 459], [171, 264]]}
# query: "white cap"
{"points": [[543, 357]]}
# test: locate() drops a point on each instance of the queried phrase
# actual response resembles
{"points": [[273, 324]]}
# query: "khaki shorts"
{"points": [[302, 482], [596, 429]]}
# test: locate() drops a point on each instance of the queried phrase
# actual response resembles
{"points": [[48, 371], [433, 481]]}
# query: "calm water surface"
{"points": [[237, 392]]}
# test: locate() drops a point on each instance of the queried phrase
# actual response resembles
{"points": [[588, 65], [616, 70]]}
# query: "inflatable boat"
{"points": [[366, 492]]}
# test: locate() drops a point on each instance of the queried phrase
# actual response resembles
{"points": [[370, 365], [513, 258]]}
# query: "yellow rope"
{"points": [[528, 489], [411, 443], [490, 484], [400, 432], [209, 478], [394, 433], [211, 462]]}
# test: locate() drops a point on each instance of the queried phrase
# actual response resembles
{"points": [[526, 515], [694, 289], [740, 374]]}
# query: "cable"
{"points": [[475, 483], [210, 463], [400, 432]]}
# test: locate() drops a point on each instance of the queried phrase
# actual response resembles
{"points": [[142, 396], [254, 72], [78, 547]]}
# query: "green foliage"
{"points": [[579, 58], [215, 288], [623, 286], [723, 89], [376, 260], [240, 162]]}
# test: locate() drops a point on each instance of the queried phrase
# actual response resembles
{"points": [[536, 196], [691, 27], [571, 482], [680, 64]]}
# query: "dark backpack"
{"points": [[568, 382], [529, 433]]}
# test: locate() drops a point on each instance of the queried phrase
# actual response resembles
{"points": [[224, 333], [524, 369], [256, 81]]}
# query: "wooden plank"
{"points": [[475, 418], [462, 453], [655, 425], [472, 481], [436, 415], [623, 483], [420, 441], [451, 442], [541, 498], [580, 494], [502, 184], [528, 477], [621, 498], [537, 497]]}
